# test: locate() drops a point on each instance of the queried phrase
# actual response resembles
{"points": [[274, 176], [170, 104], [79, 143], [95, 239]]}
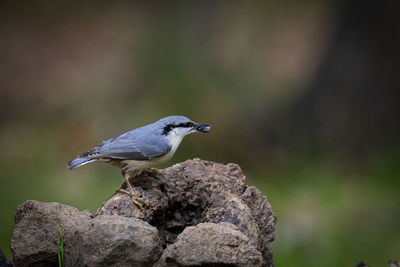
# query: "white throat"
{"points": [[175, 137]]}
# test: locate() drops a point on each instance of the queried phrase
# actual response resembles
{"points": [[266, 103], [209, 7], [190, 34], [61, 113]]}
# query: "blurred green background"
{"points": [[303, 95]]}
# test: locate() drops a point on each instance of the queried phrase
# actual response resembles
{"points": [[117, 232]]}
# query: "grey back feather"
{"points": [[143, 143]]}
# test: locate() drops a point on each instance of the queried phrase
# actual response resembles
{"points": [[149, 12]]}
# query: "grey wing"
{"points": [[127, 146]]}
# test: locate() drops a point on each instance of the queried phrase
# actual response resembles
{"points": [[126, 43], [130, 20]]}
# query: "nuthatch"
{"points": [[143, 148]]}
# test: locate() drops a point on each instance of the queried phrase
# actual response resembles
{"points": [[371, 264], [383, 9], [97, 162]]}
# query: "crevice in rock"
{"points": [[173, 219]]}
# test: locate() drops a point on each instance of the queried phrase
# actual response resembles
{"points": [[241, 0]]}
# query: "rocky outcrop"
{"points": [[210, 244], [88, 241], [118, 241], [196, 213], [34, 240]]}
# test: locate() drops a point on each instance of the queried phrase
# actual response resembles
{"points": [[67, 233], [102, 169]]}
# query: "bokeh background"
{"points": [[303, 95]]}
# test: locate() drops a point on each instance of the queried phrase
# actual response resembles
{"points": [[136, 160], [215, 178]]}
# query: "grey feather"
{"points": [[144, 143], [75, 163], [139, 144], [132, 145]]}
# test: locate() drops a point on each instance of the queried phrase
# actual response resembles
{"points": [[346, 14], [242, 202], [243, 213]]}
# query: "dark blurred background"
{"points": [[303, 95]]}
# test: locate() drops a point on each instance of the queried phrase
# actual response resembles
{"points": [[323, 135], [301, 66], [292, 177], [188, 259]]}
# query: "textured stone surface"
{"points": [[210, 244], [262, 214], [35, 235], [100, 241], [195, 213], [197, 191], [119, 241]]}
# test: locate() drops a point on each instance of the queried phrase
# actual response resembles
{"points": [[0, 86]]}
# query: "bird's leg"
{"points": [[136, 200], [154, 170]]}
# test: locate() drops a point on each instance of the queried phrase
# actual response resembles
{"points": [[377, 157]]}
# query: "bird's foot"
{"points": [[136, 200], [156, 171]]}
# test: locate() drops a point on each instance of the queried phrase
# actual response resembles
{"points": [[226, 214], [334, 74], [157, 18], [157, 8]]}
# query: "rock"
{"points": [[391, 264], [195, 213], [198, 191], [119, 241], [262, 213], [34, 240], [88, 241], [210, 244]]}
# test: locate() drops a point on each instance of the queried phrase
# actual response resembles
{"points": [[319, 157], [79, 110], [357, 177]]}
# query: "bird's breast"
{"points": [[175, 140]]}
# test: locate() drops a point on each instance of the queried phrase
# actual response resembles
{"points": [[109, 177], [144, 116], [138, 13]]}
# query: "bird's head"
{"points": [[181, 126]]}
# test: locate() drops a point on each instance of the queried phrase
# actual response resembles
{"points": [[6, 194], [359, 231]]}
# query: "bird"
{"points": [[143, 148]]}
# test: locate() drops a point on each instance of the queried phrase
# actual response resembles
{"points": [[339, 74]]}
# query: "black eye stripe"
{"points": [[169, 127], [186, 124]]}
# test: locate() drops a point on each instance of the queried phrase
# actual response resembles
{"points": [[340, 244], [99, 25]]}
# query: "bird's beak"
{"points": [[204, 128]]}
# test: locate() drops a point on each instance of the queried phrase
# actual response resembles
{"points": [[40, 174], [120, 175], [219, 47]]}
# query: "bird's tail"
{"points": [[75, 163]]}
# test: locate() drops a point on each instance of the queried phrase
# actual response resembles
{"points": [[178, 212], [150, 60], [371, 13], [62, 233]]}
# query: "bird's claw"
{"points": [[140, 206], [136, 200]]}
